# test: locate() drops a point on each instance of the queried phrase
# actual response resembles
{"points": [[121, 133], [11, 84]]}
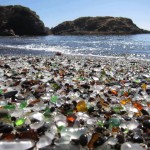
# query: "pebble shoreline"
{"points": [[65, 102]]}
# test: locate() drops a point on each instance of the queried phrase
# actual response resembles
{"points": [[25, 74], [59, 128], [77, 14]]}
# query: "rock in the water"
{"points": [[19, 20], [97, 26]]}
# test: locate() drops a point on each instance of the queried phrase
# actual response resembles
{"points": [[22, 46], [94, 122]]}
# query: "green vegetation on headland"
{"points": [[19, 20]]}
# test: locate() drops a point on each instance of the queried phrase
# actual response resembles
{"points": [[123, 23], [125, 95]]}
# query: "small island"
{"points": [[98, 26], [19, 20]]}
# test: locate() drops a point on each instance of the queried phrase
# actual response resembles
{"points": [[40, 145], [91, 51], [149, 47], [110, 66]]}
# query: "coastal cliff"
{"points": [[98, 26], [19, 20]]}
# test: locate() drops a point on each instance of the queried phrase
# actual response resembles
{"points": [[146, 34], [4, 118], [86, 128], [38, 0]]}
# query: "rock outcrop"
{"points": [[19, 20], [97, 26]]}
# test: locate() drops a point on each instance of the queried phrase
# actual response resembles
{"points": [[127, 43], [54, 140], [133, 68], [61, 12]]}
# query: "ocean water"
{"points": [[130, 46]]}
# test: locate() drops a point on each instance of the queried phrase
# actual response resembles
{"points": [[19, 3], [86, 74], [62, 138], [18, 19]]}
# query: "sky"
{"points": [[53, 12]]}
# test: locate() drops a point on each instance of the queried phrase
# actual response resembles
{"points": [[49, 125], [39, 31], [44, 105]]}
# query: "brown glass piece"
{"points": [[30, 134], [8, 136], [94, 138]]}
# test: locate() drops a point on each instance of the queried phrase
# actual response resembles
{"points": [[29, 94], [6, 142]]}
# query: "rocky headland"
{"points": [[98, 26], [19, 20]]}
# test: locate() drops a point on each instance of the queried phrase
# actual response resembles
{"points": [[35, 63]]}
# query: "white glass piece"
{"points": [[131, 146], [43, 142], [16, 145]]}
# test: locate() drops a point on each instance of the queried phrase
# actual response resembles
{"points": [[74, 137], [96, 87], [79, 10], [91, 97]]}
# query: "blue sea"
{"points": [[131, 46]]}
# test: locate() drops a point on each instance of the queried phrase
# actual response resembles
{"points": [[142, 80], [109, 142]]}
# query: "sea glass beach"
{"points": [[74, 75]]}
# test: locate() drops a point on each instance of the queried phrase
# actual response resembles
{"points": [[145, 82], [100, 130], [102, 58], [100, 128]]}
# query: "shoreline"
{"points": [[77, 56], [74, 102]]}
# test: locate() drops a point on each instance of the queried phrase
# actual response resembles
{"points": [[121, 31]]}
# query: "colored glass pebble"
{"points": [[103, 103], [20, 122], [144, 86], [70, 112], [139, 113], [8, 136], [125, 101], [10, 107], [117, 109], [55, 86], [94, 138], [114, 122], [1, 91], [81, 78], [115, 129], [137, 81], [81, 106], [126, 94], [23, 104], [114, 92], [71, 119], [54, 99], [126, 131], [137, 106], [29, 134], [59, 128], [100, 123], [47, 112]]}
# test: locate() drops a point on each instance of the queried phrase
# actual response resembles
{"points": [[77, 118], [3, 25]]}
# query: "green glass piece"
{"points": [[1, 91], [47, 112], [117, 109], [114, 122], [70, 112], [60, 128], [10, 107], [53, 65], [103, 72], [23, 104], [137, 81], [81, 78], [122, 92], [55, 86], [54, 99], [126, 131], [100, 123], [20, 122]]}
